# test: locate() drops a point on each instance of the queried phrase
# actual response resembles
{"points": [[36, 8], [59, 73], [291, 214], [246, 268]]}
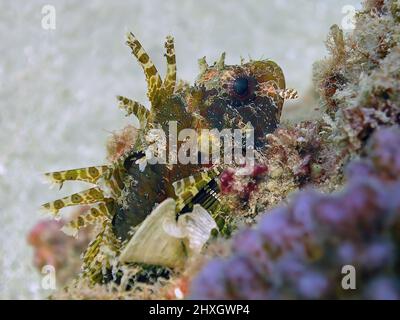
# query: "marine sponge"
{"points": [[298, 251]]}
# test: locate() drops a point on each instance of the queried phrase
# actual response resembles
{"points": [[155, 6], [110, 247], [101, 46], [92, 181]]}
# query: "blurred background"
{"points": [[58, 87]]}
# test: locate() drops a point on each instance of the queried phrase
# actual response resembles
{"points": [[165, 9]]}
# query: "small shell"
{"points": [[161, 240], [198, 225]]}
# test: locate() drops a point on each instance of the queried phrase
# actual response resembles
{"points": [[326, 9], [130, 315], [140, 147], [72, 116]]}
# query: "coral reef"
{"points": [[298, 251]]}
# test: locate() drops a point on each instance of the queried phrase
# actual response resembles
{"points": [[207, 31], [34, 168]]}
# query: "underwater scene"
{"points": [[187, 150]]}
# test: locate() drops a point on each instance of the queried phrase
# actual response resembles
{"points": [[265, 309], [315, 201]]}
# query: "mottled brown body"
{"points": [[223, 97]]}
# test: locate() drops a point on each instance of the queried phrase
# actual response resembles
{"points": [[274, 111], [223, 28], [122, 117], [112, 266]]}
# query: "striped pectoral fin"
{"points": [[207, 197], [97, 255], [288, 94], [92, 267], [170, 78], [89, 174], [89, 196], [153, 78], [97, 213], [93, 247], [196, 181], [200, 188], [135, 108]]}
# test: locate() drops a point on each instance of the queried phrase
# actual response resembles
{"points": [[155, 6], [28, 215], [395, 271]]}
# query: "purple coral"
{"points": [[298, 251]]}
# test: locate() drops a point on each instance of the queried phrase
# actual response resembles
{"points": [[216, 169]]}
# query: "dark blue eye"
{"points": [[241, 86]]}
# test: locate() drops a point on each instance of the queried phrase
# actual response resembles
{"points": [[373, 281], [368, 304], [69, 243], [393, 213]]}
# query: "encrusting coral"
{"points": [[297, 250]]}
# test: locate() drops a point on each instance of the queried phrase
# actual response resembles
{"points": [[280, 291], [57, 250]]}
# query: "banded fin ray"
{"points": [[170, 77], [199, 187], [98, 253], [197, 180], [135, 108], [89, 174], [154, 82], [112, 184], [92, 267], [88, 196], [96, 213], [207, 197]]}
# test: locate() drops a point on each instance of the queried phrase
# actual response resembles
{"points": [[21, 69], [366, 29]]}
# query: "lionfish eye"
{"points": [[241, 86]]}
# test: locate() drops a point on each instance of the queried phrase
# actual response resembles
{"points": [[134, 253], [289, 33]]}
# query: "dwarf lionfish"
{"points": [[223, 96]]}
